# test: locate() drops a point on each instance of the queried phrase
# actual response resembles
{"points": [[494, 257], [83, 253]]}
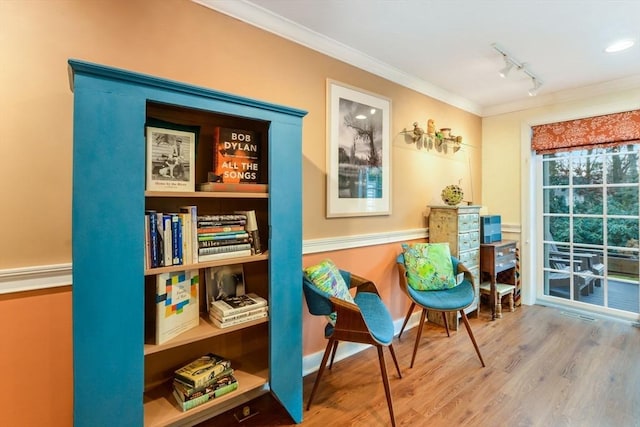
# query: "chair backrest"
{"points": [[318, 302], [402, 272]]}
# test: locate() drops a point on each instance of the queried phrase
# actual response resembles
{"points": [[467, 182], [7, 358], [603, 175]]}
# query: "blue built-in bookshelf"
{"points": [[119, 376]]}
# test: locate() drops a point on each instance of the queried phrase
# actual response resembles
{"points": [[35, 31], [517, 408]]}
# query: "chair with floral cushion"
{"points": [[361, 319], [426, 276]]}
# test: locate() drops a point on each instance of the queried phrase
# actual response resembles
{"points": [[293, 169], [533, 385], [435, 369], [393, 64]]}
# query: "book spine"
{"points": [[213, 243], [238, 321], [147, 244], [222, 309], [225, 255], [185, 227], [192, 210], [154, 251], [168, 245], [187, 392], [223, 249], [252, 229], [222, 236], [222, 217], [239, 315], [190, 404], [221, 229], [176, 240]]}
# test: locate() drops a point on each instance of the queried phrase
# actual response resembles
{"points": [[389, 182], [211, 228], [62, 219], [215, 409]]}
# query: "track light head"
{"points": [[505, 71], [536, 86]]}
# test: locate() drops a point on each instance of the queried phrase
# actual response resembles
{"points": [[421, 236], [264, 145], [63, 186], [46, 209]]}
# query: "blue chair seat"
{"points": [[447, 299], [376, 316]]}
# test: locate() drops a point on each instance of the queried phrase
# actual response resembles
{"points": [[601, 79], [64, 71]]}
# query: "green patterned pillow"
{"points": [[326, 277], [429, 266]]}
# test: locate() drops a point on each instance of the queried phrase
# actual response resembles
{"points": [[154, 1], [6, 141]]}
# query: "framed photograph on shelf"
{"points": [[358, 152], [170, 159]]}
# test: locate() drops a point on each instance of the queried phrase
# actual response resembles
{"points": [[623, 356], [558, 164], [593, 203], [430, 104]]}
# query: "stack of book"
{"points": [[203, 379], [222, 236], [238, 309]]}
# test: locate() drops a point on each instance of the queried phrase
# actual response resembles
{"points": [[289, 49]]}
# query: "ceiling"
{"points": [[443, 48]]}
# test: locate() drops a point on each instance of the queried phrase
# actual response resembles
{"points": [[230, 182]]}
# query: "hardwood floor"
{"points": [[544, 368]]}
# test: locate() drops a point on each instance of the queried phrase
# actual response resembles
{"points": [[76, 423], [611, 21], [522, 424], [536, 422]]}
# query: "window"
{"points": [[591, 220]]}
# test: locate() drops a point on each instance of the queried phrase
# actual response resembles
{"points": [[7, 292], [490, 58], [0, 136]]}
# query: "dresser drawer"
{"points": [[470, 258], [505, 257], [470, 240], [468, 222]]}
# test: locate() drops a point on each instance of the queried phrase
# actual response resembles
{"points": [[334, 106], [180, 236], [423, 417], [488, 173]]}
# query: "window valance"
{"points": [[601, 131]]}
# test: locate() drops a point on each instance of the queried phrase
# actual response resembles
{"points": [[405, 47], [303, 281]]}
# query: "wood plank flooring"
{"points": [[544, 368]]}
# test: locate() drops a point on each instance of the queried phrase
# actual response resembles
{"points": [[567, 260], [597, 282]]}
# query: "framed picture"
{"points": [[170, 159], [358, 152]]}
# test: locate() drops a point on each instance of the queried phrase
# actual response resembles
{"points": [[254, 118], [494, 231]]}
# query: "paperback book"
{"points": [[238, 304], [186, 392], [201, 371], [238, 316], [177, 303], [223, 282], [223, 386], [238, 321]]}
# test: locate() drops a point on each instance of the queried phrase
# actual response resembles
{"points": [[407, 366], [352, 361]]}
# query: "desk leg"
{"points": [[494, 298]]}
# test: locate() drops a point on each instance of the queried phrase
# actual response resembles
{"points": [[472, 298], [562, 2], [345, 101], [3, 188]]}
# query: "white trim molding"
{"points": [[35, 277], [329, 244]]}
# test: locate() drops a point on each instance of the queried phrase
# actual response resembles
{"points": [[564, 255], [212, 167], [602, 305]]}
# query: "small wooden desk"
{"points": [[495, 258]]}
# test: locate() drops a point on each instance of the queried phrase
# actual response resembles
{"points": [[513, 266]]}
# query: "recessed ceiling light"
{"points": [[619, 46]]}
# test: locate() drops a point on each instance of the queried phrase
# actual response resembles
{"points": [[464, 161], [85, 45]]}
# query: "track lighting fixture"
{"points": [[511, 62], [536, 85]]}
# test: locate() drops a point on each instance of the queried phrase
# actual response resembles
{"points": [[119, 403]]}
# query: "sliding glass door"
{"points": [[591, 219]]}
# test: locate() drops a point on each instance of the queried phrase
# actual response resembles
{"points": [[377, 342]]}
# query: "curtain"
{"points": [[600, 131]]}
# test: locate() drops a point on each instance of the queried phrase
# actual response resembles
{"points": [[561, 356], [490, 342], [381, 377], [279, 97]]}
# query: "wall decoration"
{"points": [[441, 140], [358, 152]]}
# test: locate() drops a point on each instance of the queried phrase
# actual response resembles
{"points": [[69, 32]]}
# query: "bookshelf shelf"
{"points": [[207, 194], [237, 260], [204, 330], [112, 289]]}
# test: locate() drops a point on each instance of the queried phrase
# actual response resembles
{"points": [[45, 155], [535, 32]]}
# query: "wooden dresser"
{"points": [[460, 227], [497, 257]]}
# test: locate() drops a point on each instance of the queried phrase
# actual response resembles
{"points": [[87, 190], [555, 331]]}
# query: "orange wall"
{"points": [[36, 358], [183, 41]]}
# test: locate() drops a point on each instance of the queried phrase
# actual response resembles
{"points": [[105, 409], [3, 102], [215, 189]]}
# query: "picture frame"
{"points": [[358, 152], [170, 159]]}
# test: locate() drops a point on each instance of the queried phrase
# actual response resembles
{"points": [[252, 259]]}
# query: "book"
{"points": [[186, 392], [224, 255], [226, 187], [240, 303], [192, 210], [227, 385], [224, 248], [200, 371], [167, 240], [170, 159], [222, 242], [237, 316], [185, 226], [220, 228], [176, 240], [252, 229], [177, 303], [221, 217], [228, 323], [236, 156], [225, 235], [151, 221], [223, 281]]}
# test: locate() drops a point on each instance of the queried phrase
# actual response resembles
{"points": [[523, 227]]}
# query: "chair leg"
{"points": [[446, 323], [415, 347], [385, 381], [330, 344], [406, 318], [333, 353], [395, 361], [473, 339]]}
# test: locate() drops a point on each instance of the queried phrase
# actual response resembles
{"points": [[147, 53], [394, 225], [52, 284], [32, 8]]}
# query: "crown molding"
{"points": [[266, 20]]}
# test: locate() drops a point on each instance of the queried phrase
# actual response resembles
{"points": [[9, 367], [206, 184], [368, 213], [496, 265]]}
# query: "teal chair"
{"points": [[447, 300], [367, 321]]}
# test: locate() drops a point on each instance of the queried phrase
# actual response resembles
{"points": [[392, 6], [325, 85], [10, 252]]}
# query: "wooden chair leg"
{"points": [[395, 361], [415, 347], [330, 344], [406, 318], [333, 353], [473, 339], [385, 381], [446, 323]]}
